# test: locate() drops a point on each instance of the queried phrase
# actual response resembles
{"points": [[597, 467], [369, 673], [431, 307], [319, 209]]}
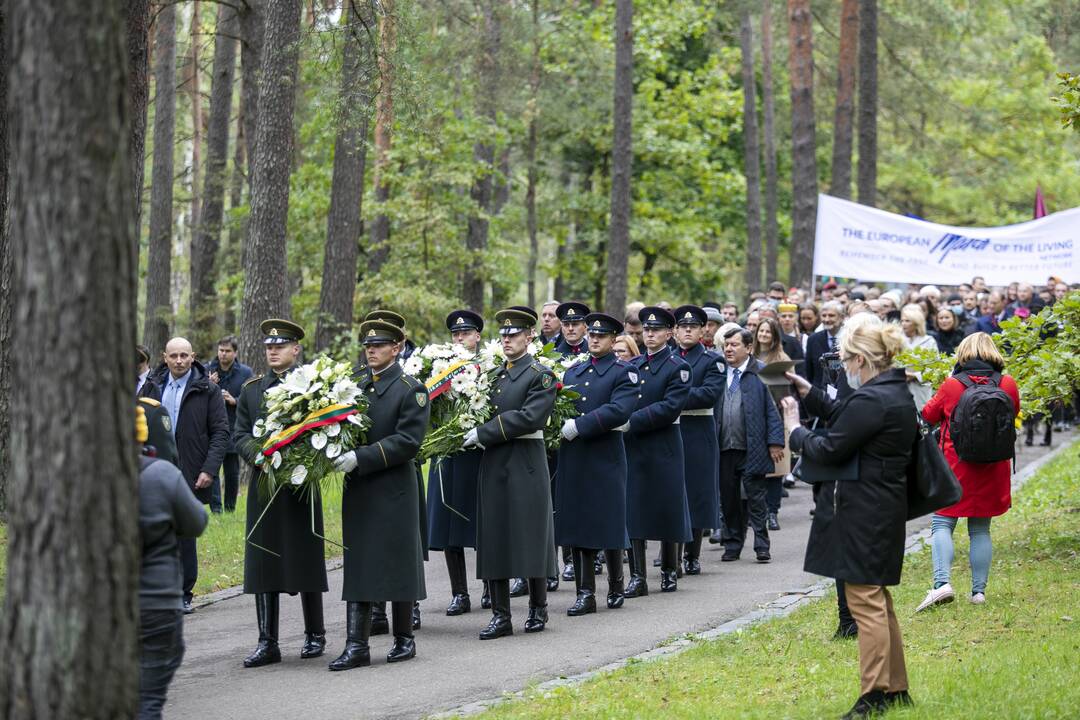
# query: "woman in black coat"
{"points": [[858, 530]]}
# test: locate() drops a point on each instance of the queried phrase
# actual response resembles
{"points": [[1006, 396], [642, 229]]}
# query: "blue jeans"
{"points": [[161, 648], [941, 544]]}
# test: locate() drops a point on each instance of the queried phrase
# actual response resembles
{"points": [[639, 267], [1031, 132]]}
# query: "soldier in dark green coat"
{"points": [[298, 565], [384, 551], [514, 532]]}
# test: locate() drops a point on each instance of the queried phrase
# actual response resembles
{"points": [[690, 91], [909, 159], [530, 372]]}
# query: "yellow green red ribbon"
{"points": [[438, 384], [318, 418]]}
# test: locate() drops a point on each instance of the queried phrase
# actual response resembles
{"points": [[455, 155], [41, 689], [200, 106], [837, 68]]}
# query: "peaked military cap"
{"points": [[602, 324], [525, 309], [513, 320], [464, 320], [572, 312], [278, 332], [773, 373], [690, 315], [656, 317], [373, 332], [387, 316]]}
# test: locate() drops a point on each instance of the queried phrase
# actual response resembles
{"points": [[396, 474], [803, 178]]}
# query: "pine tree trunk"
{"points": [[769, 131], [252, 38], [195, 97], [6, 281], [138, 43], [750, 158], [231, 258], [204, 249], [69, 628], [379, 249], [803, 158], [500, 291], [535, 70], [622, 160], [845, 100], [265, 281], [487, 87], [159, 262], [868, 102], [343, 223]]}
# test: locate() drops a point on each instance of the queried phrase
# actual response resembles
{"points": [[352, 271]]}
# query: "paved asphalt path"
{"points": [[452, 666]]}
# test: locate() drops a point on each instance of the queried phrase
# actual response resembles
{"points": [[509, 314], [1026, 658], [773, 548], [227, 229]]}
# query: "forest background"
{"points": [[479, 136]]}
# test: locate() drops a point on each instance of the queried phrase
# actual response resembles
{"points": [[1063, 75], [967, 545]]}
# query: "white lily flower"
{"points": [[318, 440], [275, 460], [333, 430], [333, 450], [299, 474], [355, 420]]}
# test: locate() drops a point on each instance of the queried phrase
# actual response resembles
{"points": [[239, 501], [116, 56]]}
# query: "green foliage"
{"points": [[932, 366], [1069, 100]]}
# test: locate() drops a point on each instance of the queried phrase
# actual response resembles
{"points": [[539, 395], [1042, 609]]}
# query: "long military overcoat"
{"points": [[285, 529], [384, 556], [697, 425], [656, 506], [515, 536], [451, 501], [590, 500]]}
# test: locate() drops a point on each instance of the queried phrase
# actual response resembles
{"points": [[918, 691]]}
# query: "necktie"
{"points": [[174, 403], [734, 386], [832, 343]]}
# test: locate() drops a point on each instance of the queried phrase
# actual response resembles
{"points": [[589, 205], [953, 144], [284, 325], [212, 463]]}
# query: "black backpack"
{"points": [[982, 424]]}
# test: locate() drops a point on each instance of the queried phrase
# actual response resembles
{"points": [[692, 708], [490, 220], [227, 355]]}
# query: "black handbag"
{"points": [[931, 483]]}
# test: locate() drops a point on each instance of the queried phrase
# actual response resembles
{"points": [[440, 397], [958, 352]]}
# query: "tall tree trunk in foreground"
{"points": [[159, 263], [868, 102], [207, 241], [845, 100], [384, 121], [69, 626], [265, 289], [750, 158], [6, 281], [769, 131], [803, 159], [535, 70], [487, 74], [343, 223], [622, 161]]}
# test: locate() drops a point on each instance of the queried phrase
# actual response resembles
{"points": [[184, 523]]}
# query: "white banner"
{"points": [[856, 241]]}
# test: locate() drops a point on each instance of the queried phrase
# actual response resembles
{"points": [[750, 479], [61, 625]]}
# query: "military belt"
{"points": [[535, 435], [699, 411]]}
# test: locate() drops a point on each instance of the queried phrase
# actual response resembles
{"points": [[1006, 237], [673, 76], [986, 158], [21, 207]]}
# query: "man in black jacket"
{"points": [[823, 341], [200, 426]]}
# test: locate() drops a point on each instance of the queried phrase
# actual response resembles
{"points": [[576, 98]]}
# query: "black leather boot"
{"points": [[380, 625], [871, 704], [404, 646], [669, 553], [691, 562], [678, 554], [459, 588], [614, 579], [267, 651], [314, 629], [637, 587], [357, 653], [538, 614], [519, 588], [500, 625], [568, 564], [586, 583], [485, 598]]}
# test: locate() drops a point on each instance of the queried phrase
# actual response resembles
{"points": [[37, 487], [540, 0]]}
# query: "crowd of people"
{"points": [[694, 422]]}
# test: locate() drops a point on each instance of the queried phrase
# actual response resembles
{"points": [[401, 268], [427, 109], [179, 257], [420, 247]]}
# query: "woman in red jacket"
{"points": [[986, 486]]}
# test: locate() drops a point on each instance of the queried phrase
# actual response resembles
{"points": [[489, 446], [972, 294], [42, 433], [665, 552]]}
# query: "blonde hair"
{"points": [[979, 346], [879, 342], [915, 314]]}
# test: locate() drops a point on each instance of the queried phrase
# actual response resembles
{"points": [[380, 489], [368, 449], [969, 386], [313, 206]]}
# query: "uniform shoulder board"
{"points": [[149, 402], [411, 382], [253, 378], [675, 359]]}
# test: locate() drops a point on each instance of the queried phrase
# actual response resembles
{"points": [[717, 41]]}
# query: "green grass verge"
{"points": [[1018, 656]]}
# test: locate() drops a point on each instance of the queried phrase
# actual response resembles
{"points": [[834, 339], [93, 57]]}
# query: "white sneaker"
{"points": [[978, 599], [937, 596]]}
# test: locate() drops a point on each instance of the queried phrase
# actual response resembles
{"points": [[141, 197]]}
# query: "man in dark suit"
{"points": [[751, 442], [550, 332], [991, 322], [823, 341]]}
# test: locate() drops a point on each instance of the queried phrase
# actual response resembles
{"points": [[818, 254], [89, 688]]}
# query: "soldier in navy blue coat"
{"points": [[698, 429], [451, 506], [656, 506], [590, 500]]}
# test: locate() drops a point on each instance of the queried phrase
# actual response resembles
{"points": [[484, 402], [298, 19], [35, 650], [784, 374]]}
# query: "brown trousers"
{"points": [[881, 649]]}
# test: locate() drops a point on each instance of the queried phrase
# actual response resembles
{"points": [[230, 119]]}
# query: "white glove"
{"points": [[472, 438], [569, 430], [345, 462]]}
